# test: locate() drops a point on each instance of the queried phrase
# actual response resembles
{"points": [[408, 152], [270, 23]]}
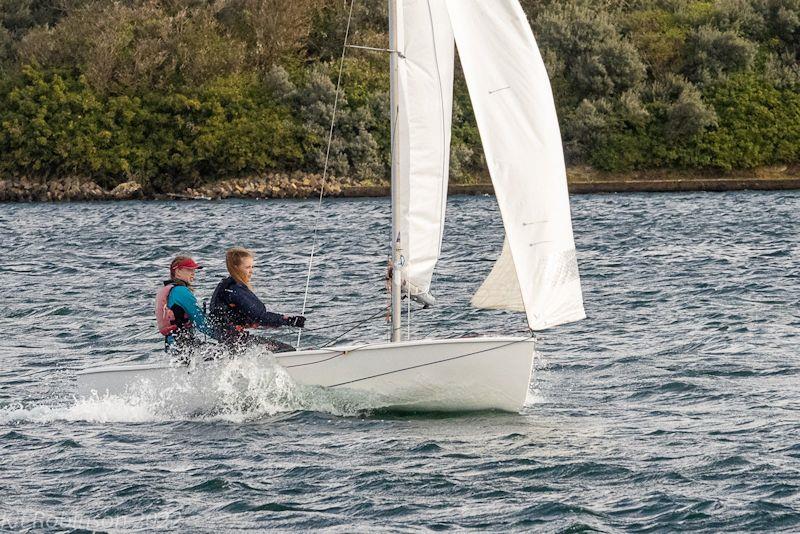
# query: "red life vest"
{"points": [[164, 316]]}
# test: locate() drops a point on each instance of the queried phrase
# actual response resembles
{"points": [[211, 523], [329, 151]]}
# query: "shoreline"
{"points": [[581, 180]]}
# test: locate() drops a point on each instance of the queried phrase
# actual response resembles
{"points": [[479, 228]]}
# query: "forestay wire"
{"points": [[325, 167]]}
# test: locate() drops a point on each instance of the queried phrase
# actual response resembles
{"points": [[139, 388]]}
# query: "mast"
{"points": [[395, 241]]}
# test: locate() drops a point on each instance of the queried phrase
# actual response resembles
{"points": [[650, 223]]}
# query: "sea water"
{"points": [[674, 405]]}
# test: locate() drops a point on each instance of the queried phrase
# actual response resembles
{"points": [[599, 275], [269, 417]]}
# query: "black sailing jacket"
{"points": [[234, 307]]}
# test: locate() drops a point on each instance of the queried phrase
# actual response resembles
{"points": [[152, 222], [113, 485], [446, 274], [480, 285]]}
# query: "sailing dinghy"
{"points": [[537, 271]]}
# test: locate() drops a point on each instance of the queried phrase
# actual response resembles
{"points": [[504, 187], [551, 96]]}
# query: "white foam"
{"points": [[246, 388], [105, 410], [249, 391]]}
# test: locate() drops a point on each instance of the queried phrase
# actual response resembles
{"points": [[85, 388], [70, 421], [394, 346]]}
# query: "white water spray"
{"points": [[247, 388]]}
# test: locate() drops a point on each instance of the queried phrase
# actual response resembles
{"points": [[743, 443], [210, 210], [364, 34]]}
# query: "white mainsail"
{"points": [[516, 116], [425, 108]]}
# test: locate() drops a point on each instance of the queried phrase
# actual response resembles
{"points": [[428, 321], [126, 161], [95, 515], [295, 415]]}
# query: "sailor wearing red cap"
{"points": [[178, 314]]}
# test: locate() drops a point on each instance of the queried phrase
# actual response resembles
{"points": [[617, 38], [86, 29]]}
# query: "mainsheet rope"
{"points": [[325, 167]]}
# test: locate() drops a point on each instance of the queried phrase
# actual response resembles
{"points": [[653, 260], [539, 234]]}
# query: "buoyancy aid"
{"points": [[165, 317], [171, 319]]}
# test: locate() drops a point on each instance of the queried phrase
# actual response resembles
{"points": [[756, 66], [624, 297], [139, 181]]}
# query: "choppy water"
{"points": [[676, 405]]}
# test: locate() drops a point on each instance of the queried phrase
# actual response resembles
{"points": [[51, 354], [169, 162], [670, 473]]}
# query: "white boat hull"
{"points": [[467, 374]]}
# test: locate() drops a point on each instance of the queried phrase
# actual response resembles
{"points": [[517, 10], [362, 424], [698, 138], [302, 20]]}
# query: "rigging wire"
{"points": [[340, 336], [344, 323], [325, 167]]}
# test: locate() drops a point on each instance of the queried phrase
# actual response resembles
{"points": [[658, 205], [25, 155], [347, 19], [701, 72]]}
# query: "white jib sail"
{"points": [[500, 290], [425, 109], [516, 116]]}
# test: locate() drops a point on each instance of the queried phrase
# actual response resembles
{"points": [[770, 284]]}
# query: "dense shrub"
{"points": [[711, 54], [19, 16], [174, 92], [6, 50], [273, 30], [54, 125], [657, 36], [127, 49], [601, 62], [758, 125]]}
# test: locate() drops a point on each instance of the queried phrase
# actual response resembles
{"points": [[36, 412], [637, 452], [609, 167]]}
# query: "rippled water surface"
{"points": [[675, 405]]}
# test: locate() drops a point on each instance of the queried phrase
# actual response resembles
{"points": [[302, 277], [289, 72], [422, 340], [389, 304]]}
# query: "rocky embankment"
{"points": [[296, 185], [301, 185], [31, 190]]}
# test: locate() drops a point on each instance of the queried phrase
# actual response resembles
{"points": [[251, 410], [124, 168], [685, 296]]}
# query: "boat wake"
{"points": [[250, 387]]}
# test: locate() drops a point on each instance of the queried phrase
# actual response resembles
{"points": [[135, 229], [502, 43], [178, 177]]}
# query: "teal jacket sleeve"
{"points": [[184, 298]]}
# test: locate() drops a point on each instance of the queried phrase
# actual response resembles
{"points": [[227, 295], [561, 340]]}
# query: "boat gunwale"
{"points": [[328, 351]]}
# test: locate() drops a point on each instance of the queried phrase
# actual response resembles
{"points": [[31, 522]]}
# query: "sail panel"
{"points": [[425, 108], [516, 116], [500, 290]]}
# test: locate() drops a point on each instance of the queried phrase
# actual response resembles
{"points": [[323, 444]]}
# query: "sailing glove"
{"points": [[297, 320]]}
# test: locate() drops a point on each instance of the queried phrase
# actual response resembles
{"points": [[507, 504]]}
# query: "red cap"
{"points": [[187, 264]]}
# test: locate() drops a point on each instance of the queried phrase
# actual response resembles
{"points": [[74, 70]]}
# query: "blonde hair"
{"points": [[233, 261]]}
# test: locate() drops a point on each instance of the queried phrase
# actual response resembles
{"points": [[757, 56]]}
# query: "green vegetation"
{"points": [[174, 93]]}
